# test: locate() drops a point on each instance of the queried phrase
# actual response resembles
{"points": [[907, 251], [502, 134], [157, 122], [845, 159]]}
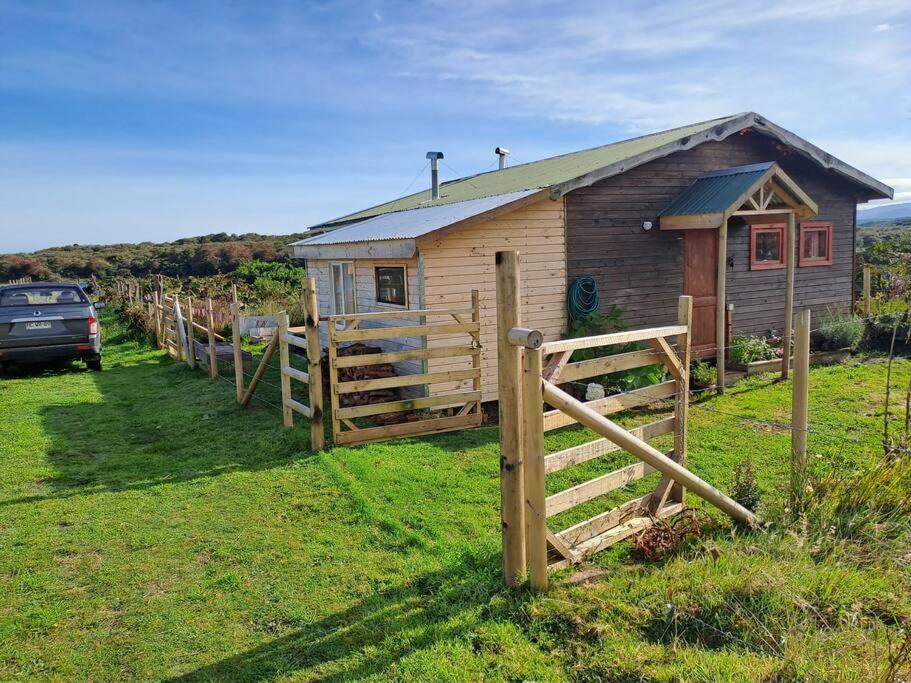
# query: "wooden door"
{"points": [[700, 274]]}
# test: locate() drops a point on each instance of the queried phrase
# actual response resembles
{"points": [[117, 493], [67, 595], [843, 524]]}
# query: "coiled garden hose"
{"points": [[582, 297]]}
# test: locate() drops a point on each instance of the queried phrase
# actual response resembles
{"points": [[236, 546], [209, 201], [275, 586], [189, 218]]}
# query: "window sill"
{"points": [[814, 264], [767, 266]]}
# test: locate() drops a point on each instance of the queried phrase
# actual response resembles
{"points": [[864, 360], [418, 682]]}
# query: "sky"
{"points": [[151, 120]]}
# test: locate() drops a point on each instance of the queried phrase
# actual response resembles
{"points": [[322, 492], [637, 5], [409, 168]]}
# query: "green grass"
{"points": [[149, 529]]}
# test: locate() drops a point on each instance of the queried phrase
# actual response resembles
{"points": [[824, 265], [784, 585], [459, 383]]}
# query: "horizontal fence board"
{"points": [[298, 407], [404, 331], [405, 380], [583, 531], [608, 364], [404, 313], [595, 488], [294, 340], [577, 455], [400, 356], [294, 373], [614, 404], [422, 427], [409, 404], [613, 338]]}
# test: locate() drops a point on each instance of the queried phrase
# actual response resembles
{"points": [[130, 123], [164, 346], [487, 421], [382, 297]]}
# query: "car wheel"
{"points": [[94, 364]]}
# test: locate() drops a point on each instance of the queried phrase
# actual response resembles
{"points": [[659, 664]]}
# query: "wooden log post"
{"points": [[682, 400], [535, 497], [720, 303], [284, 356], [800, 399], [512, 446], [790, 252], [213, 344], [868, 280], [156, 317], [236, 348], [191, 335], [314, 365], [476, 356]]}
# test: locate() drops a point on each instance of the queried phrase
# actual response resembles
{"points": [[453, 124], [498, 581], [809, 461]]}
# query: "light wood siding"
{"points": [[365, 300], [458, 260]]}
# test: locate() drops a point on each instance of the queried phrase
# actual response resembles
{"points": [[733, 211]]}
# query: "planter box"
{"points": [[816, 358]]}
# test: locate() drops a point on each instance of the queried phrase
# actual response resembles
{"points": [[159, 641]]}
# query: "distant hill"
{"points": [[886, 212], [192, 256]]}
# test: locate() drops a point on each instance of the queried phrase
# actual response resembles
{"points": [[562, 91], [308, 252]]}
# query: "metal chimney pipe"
{"points": [[502, 152], [434, 173]]}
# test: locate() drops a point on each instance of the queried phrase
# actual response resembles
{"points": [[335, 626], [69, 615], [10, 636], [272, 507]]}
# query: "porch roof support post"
{"points": [[790, 249], [720, 303]]}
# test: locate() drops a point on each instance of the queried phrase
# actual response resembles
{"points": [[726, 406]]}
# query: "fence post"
{"points": [[235, 347], [535, 508], [476, 356], [512, 446], [314, 365], [800, 399], [682, 402], [191, 335], [213, 344], [179, 337], [867, 290], [156, 316], [284, 362]]}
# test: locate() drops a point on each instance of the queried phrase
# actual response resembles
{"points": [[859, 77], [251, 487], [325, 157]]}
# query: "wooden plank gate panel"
{"points": [[463, 406]]}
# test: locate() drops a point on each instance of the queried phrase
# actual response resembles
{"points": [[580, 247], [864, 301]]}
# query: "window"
{"points": [[767, 248], [390, 285], [41, 296], [815, 244], [343, 288]]}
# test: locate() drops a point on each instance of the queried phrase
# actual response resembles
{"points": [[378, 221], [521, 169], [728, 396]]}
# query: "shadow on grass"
{"points": [[369, 637], [154, 421]]}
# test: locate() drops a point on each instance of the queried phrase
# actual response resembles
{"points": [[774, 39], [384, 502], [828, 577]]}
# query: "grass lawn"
{"points": [[149, 529]]}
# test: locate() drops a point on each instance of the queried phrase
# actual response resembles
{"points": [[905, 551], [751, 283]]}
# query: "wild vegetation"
{"points": [[149, 529]]}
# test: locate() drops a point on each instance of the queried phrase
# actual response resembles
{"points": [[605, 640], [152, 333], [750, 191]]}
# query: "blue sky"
{"points": [[131, 121]]}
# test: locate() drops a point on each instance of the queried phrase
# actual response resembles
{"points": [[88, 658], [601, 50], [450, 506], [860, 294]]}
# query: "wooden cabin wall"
{"points": [[642, 272], [459, 260]]}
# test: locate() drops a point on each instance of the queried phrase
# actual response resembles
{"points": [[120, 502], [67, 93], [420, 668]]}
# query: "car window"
{"points": [[41, 296]]}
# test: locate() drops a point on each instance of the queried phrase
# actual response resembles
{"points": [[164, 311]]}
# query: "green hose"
{"points": [[582, 298]]}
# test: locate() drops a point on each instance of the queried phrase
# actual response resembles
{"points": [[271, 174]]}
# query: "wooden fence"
{"points": [[463, 406], [27, 280], [529, 372]]}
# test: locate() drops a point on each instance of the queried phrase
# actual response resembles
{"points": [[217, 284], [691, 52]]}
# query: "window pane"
{"points": [[338, 288], [768, 246], [390, 285], [348, 278], [822, 244]]}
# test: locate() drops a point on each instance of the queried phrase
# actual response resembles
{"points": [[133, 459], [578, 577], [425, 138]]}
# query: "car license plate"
{"points": [[38, 326]]}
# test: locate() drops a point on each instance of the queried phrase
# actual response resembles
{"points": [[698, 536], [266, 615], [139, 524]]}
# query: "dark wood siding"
{"points": [[642, 272]]}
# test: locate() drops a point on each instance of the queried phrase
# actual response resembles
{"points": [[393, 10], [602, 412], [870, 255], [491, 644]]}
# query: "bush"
{"points": [[746, 350], [137, 320], [841, 331], [703, 375], [743, 487]]}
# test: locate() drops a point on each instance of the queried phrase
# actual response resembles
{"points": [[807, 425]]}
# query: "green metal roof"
{"points": [[536, 174], [715, 192]]}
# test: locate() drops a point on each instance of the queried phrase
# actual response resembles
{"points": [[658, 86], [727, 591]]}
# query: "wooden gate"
{"points": [[527, 382], [420, 342]]}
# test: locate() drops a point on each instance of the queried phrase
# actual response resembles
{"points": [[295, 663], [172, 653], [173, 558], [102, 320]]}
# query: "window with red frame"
{"points": [[767, 247], [815, 243]]}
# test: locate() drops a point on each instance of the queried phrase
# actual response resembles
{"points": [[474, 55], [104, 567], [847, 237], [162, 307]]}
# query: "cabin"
{"points": [[745, 216]]}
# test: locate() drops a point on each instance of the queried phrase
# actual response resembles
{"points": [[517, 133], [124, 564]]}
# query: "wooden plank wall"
{"points": [[642, 272], [459, 260]]}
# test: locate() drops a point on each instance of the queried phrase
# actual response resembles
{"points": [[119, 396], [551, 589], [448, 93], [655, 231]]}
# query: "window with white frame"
{"points": [[343, 293], [391, 285]]}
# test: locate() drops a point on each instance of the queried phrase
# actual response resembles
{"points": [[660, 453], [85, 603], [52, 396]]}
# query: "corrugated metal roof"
{"points": [[537, 174], [414, 223], [715, 192]]}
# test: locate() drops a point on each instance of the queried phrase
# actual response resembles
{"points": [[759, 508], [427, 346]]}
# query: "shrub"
{"points": [[137, 320], [702, 374], [743, 486], [746, 350], [841, 331]]}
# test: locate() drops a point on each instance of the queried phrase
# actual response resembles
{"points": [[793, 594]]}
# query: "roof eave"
{"points": [[378, 249]]}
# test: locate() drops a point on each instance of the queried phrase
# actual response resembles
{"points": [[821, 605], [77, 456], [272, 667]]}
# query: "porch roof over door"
{"points": [[757, 190]]}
